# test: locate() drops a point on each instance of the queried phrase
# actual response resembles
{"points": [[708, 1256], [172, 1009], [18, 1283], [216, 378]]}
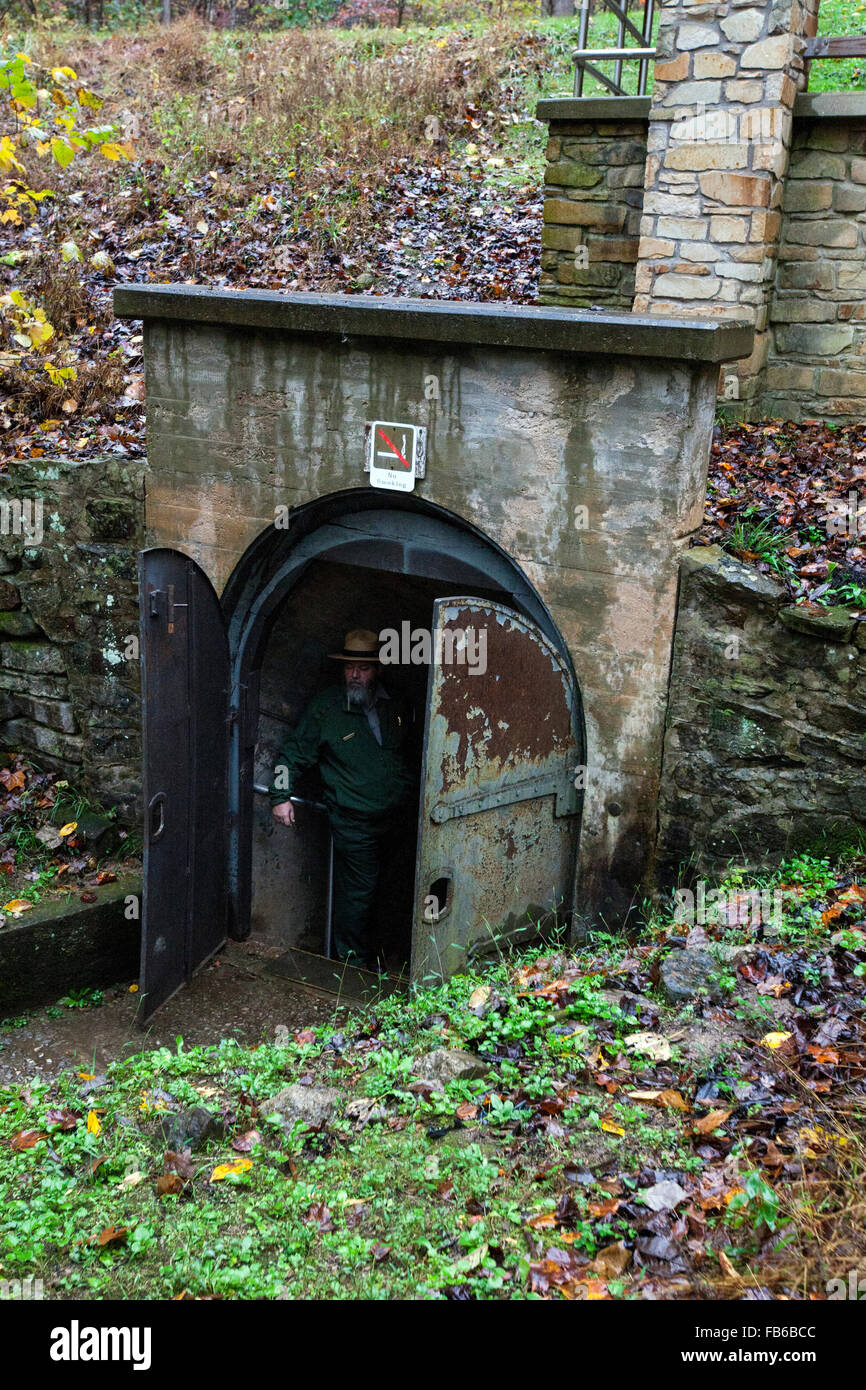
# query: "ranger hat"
{"points": [[360, 645]]}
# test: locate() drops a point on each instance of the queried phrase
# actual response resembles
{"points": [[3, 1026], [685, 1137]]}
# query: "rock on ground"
{"points": [[684, 972], [314, 1105], [446, 1064]]}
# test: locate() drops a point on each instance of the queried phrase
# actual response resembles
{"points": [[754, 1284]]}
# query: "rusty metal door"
{"points": [[185, 704], [500, 812]]}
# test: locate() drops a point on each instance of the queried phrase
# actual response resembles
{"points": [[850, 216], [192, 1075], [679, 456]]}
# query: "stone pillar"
{"points": [[720, 130]]}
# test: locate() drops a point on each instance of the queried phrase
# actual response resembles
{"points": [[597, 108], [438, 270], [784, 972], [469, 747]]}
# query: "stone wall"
{"points": [[68, 602], [720, 119], [765, 746], [593, 195], [817, 364], [815, 334]]}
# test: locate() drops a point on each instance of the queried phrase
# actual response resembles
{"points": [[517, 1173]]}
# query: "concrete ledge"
{"points": [[810, 105], [531, 327], [593, 109], [63, 946], [845, 106]]}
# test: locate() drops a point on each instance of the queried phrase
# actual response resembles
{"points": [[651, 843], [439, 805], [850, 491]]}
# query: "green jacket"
{"points": [[358, 774]]}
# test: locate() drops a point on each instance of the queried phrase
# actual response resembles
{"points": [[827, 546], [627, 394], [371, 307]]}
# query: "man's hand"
{"points": [[284, 813]]}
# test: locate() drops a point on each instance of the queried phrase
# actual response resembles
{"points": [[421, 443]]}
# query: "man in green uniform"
{"points": [[356, 733]]}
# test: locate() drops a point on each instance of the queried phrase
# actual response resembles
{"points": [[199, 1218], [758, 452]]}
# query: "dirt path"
{"points": [[232, 997]]}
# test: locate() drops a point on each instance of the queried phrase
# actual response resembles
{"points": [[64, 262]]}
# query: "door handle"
{"points": [[156, 817]]}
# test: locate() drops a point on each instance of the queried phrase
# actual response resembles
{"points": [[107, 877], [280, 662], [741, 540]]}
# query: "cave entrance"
{"points": [[489, 846]]}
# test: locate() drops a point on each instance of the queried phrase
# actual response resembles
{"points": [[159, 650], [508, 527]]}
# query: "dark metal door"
{"points": [[499, 815], [185, 689]]}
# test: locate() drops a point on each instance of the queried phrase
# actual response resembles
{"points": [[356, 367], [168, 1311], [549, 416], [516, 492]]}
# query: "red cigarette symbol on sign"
{"points": [[393, 446]]}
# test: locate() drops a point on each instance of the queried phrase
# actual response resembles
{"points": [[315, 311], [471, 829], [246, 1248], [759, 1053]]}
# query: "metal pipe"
{"points": [[581, 39]]}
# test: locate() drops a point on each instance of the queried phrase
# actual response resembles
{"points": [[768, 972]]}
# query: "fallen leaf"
{"points": [[112, 1235], [664, 1196], [727, 1267], [774, 1040], [712, 1121], [26, 1139], [17, 906], [652, 1045], [169, 1185], [612, 1261], [226, 1170]]}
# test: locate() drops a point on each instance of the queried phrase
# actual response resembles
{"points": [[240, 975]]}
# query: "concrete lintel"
{"points": [[533, 327], [845, 106], [593, 109]]}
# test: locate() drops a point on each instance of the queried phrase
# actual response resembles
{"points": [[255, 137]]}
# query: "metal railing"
{"points": [[853, 46], [586, 58]]}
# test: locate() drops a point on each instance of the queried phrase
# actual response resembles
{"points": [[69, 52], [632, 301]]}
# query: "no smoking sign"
{"points": [[395, 454]]}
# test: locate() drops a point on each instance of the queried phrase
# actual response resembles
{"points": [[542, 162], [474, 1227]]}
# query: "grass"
{"points": [[426, 1195]]}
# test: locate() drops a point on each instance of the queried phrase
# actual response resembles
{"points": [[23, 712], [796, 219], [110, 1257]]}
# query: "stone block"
{"points": [[603, 216], [837, 382], [790, 378], [673, 71], [54, 714], [724, 229], [570, 174], [734, 270], [803, 310], [699, 251], [690, 228], [41, 658], [743, 91], [814, 340], [852, 279], [714, 65], [685, 287], [623, 249], [828, 624], [21, 733], [858, 170], [18, 623], [807, 197], [691, 36], [650, 247], [848, 199], [822, 233], [735, 190], [775, 52], [112, 519], [561, 238], [9, 596], [815, 276], [690, 93], [706, 155], [743, 27], [816, 165]]}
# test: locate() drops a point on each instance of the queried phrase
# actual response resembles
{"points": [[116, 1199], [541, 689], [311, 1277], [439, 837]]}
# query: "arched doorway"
{"points": [[499, 805]]}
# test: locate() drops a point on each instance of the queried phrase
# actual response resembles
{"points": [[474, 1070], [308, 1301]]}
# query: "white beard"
{"points": [[356, 698]]}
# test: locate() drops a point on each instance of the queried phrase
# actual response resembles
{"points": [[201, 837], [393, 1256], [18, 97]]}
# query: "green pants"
{"points": [[367, 849]]}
